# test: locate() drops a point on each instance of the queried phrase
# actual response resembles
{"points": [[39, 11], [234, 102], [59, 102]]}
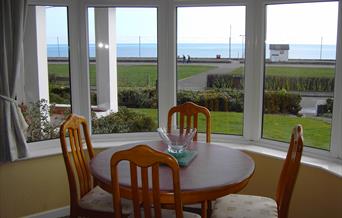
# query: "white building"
{"points": [[279, 52]]}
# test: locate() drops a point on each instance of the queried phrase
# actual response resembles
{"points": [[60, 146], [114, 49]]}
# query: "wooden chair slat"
{"points": [[156, 190], [145, 190], [181, 123], [190, 109], [135, 190], [145, 158]]}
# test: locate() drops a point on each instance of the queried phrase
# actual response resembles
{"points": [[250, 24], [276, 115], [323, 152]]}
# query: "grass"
{"points": [[294, 71], [276, 127], [190, 70], [132, 75], [316, 131]]}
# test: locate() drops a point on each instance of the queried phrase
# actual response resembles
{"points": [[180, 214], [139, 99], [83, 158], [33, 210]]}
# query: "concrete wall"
{"points": [[37, 185]]}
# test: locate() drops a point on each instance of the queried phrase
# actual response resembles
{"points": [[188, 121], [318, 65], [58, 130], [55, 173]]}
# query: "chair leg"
{"points": [[209, 208], [73, 214]]}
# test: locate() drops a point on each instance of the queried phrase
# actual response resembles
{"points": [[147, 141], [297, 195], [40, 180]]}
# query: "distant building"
{"points": [[279, 52]]}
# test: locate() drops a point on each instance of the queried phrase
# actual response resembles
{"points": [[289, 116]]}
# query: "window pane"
{"points": [[300, 69], [47, 86], [123, 69], [210, 66]]}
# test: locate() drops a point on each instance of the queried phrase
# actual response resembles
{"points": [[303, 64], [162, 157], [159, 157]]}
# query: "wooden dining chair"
{"points": [[190, 111], [188, 118], [248, 206], [85, 199], [146, 199]]}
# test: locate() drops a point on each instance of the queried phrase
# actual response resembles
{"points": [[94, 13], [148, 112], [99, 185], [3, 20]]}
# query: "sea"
{"points": [[205, 50]]}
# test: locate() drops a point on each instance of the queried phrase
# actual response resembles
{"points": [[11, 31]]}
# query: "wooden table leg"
{"points": [[204, 209]]}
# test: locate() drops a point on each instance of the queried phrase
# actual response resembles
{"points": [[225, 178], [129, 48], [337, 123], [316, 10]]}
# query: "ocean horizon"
{"points": [[202, 50]]}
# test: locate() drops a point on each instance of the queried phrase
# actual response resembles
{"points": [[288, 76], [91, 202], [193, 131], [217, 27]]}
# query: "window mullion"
{"points": [[166, 59], [255, 35], [336, 137], [79, 66]]}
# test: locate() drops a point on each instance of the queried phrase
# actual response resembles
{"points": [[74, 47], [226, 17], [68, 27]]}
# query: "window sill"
{"points": [[264, 147]]}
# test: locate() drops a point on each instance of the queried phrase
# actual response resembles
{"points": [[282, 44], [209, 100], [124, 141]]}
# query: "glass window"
{"points": [[123, 69], [46, 89], [300, 70], [210, 63]]}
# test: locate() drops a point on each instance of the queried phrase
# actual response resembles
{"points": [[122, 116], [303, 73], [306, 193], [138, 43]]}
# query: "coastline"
{"points": [[201, 60]]}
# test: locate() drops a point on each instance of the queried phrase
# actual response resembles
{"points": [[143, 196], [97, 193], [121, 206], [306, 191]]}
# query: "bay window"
{"points": [[281, 76]]}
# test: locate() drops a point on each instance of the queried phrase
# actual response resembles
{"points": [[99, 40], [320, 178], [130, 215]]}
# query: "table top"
{"points": [[215, 172]]}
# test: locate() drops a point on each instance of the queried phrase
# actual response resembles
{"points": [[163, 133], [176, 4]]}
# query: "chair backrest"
{"points": [[144, 157], [190, 111], [289, 172], [76, 161]]}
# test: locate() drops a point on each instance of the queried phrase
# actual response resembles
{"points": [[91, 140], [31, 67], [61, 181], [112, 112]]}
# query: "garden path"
{"points": [[199, 81]]}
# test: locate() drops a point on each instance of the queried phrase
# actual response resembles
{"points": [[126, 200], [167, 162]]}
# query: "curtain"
{"points": [[12, 139]]}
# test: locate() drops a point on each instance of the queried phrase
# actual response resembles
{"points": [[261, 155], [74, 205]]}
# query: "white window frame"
{"points": [[335, 151], [166, 16]]}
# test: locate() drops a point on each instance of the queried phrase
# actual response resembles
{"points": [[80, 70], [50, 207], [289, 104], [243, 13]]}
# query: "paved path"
{"points": [[199, 81]]}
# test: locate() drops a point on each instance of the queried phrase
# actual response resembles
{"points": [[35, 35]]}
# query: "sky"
{"points": [[305, 23]]}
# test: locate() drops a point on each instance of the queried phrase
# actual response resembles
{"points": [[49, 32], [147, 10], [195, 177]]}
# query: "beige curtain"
{"points": [[12, 140]]}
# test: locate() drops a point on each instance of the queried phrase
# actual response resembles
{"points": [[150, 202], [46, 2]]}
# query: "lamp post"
{"points": [[320, 52], [242, 38], [58, 47], [230, 40], [139, 46]]}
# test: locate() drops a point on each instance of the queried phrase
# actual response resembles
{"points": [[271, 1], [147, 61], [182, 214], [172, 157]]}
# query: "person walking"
{"points": [[188, 60]]}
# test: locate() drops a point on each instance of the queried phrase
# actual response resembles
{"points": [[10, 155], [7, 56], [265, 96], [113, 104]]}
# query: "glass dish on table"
{"points": [[176, 144]]}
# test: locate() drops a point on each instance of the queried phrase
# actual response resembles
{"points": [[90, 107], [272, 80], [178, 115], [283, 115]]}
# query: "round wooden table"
{"points": [[215, 172]]}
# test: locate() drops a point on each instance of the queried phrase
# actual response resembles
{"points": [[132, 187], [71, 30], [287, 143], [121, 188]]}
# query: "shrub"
{"points": [[123, 121], [281, 102], [326, 109], [60, 95], [330, 104], [138, 97], [42, 124]]}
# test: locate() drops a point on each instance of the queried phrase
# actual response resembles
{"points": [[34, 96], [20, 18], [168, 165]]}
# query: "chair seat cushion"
{"points": [[168, 213], [100, 200], [244, 206]]}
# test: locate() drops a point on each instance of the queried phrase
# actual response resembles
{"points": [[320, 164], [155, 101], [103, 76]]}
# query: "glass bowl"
{"points": [[176, 143]]}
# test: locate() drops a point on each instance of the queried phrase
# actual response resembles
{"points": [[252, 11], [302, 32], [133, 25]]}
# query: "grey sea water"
{"points": [[326, 52]]}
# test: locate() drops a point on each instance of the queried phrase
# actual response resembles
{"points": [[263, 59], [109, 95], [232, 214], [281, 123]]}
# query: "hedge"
{"points": [[225, 81], [274, 83], [214, 99]]}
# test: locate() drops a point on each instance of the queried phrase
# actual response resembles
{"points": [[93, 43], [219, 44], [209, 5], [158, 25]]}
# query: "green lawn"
{"points": [[132, 75], [276, 127], [295, 71]]}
